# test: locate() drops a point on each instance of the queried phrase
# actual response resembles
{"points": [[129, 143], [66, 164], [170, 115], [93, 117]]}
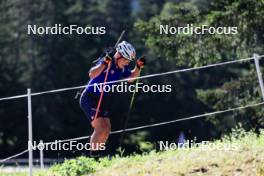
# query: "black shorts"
{"points": [[89, 102]]}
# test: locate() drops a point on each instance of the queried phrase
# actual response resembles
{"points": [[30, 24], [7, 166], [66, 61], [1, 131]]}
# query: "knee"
{"points": [[103, 131], [107, 130]]}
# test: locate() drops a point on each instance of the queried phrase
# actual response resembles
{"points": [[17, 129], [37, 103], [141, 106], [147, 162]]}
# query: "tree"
{"points": [[197, 50]]}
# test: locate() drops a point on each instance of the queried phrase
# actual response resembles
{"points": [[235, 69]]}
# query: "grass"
{"points": [[242, 154], [36, 172]]}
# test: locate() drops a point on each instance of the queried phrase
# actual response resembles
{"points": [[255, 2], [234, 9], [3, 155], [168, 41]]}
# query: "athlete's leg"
{"points": [[102, 128]]}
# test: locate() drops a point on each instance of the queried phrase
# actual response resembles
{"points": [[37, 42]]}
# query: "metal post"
{"points": [[256, 59], [30, 138], [41, 155]]}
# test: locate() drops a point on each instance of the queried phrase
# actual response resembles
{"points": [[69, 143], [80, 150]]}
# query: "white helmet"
{"points": [[126, 50]]}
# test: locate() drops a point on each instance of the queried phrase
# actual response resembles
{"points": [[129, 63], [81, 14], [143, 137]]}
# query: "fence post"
{"points": [[30, 136], [41, 155], [256, 59]]}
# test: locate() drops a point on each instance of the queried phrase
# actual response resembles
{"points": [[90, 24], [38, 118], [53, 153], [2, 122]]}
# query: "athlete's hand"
{"points": [[141, 62], [107, 59]]}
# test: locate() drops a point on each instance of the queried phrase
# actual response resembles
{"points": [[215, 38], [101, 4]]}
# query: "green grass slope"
{"points": [[241, 154], [247, 159]]}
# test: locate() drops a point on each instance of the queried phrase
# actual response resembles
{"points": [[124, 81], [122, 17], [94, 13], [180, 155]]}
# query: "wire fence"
{"points": [[142, 127], [139, 77], [145, 126]]}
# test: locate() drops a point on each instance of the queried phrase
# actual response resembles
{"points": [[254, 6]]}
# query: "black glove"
{"points": [[108, 57], [141, 62]]}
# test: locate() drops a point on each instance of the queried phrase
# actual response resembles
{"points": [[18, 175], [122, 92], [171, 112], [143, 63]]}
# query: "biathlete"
{"points": [[118, 60]]}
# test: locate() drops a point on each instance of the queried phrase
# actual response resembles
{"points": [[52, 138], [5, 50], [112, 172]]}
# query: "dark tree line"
{"points": [[55, 61]]}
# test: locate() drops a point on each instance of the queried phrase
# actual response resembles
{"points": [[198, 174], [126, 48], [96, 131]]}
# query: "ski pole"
{"points": [[128, 115], [79, 92], [130, 106], [102, 91], [105, 79]]}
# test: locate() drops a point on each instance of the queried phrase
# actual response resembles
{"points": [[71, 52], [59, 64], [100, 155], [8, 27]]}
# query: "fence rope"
{"points": [[140, 77], [144, 126], [163, 123], [13, 156]]}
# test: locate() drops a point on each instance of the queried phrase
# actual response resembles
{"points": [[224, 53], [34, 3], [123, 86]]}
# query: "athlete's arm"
{"points": [[96, 70]]}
